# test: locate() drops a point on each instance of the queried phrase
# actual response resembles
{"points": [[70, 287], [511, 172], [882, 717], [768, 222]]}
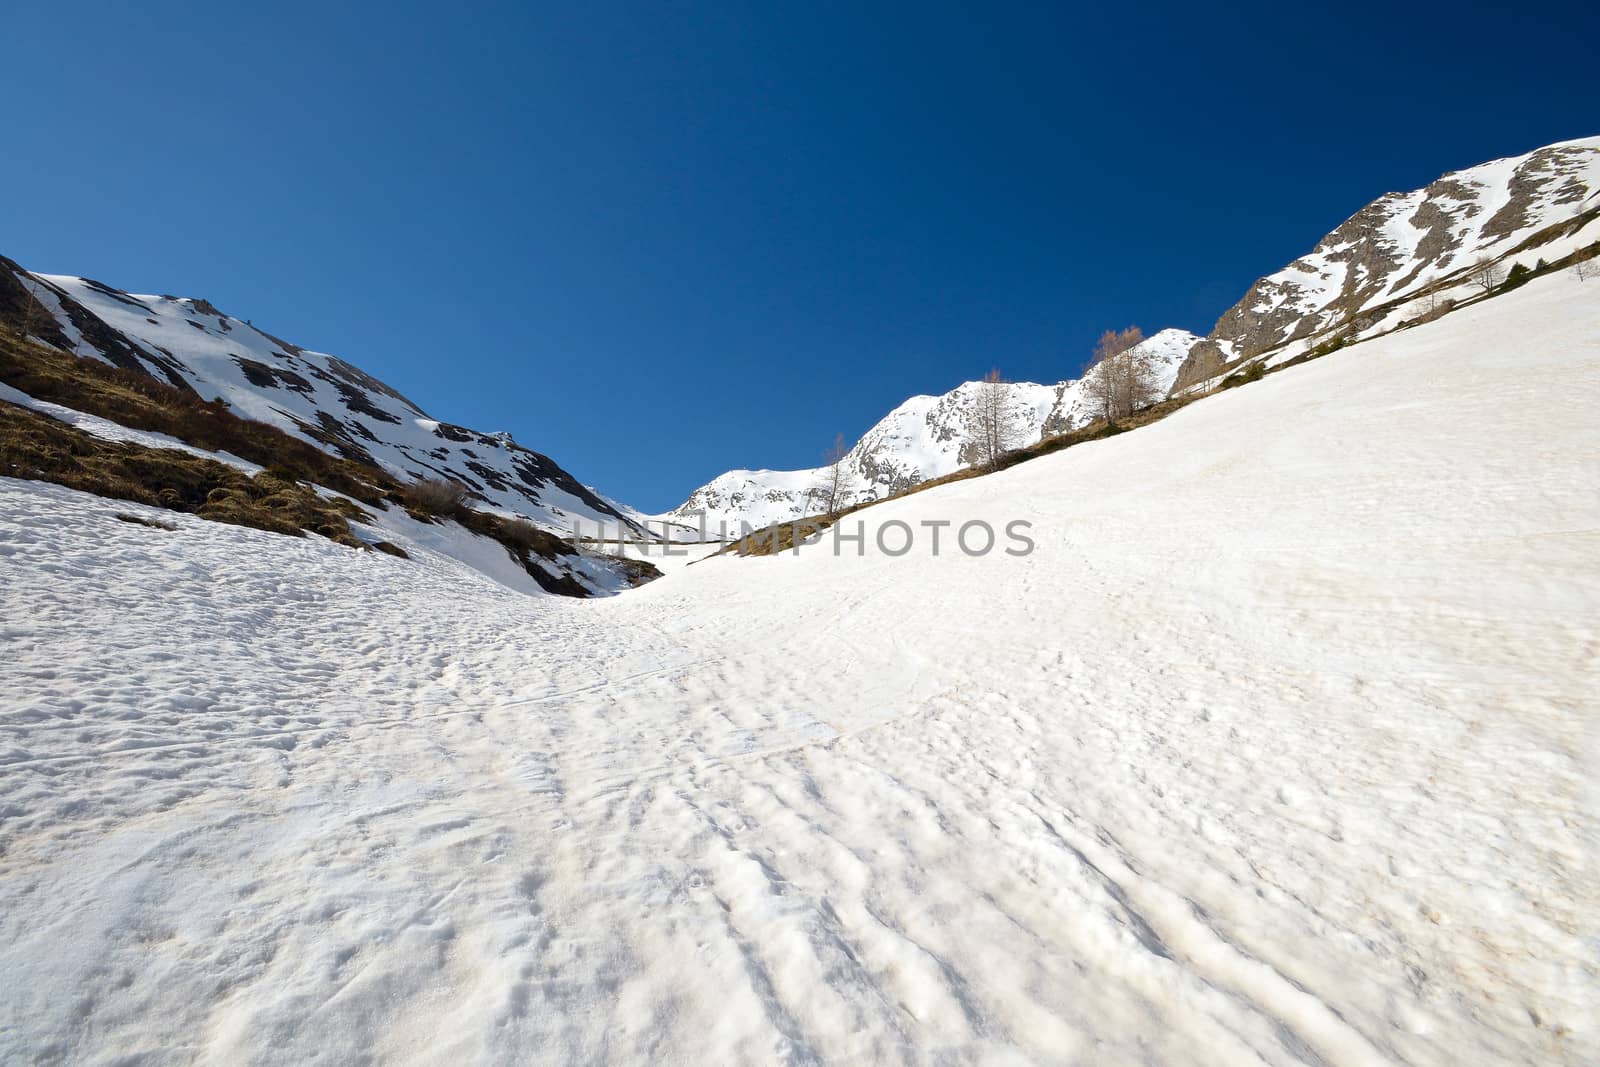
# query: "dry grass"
{"points": [[1253, 372], [38, 447], [35, 446], [520, 533], [137, 401], [435, 498]]}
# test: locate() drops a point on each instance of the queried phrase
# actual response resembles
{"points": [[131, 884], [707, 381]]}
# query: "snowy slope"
{"points": [[925, 437], [1404, 243], [1278, 750], [315, 396]]}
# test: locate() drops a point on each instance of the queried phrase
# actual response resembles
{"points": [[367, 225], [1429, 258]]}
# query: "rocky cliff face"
{"points": [[190, 344], [1400, 245], [925, 437]]}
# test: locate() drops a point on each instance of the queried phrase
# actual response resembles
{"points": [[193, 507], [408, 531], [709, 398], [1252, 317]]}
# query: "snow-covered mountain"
{"points": [[318, 397], [925, 437], [1401, 254], [1520, 209]]}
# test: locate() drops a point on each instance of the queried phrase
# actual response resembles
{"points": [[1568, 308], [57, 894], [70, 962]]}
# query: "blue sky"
{"points": [[661, 240]]}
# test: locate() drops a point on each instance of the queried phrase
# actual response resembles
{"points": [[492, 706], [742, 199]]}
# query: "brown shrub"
{"points": [[436, 497], [520, 533]]}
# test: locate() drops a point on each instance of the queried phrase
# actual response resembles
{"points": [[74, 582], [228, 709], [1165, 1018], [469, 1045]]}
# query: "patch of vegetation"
{"points": [[136, 400], [1253, 373], [1518, 276], [38, 447], [781, 536], [1327, 347], [431, 498], [522, 534], [1439, 310]]}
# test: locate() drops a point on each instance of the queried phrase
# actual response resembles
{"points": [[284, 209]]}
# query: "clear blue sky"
{"points": [[659, 240]]}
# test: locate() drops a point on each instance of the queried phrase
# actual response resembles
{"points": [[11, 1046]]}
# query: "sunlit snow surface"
{"points": [[1275, 751]]}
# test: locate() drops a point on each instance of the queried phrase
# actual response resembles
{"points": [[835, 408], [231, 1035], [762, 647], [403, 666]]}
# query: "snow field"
{"points": [[1278, 749]]}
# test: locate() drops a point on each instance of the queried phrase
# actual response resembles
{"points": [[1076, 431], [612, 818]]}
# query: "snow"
{"points": [[446, 538], [294, 389], [665, 557], [1313, 286], [1279, 749], [918, 441]]}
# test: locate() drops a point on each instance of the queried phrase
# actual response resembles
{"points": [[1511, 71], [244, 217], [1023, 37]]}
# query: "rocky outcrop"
{"points": [[1205, 360], [1397, 245]]}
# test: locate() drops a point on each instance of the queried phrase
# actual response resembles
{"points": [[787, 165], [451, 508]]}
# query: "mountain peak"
{"points": [[1401, 245]]}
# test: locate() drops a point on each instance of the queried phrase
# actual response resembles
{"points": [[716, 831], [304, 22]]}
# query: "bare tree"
{"points": [[1104, 380], [837, 479], [1486, 274], [1585, 268], [991, 424], [1121, 379], [1430, 305]]}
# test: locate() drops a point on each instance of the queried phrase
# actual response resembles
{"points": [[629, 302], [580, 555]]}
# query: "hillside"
{"points": [[1273, 751], [1404, 257], [1405, 253], [319, 398], [123, 434], [924, 438]]}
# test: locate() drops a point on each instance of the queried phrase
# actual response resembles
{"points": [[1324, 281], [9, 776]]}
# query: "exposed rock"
{"points": [[1205, 360], [1398, 245]]}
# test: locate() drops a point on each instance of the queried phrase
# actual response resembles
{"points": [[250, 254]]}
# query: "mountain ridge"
{"points": [[1404, 256], [1403, 245], [923, 437], [1412, 246], [190, 344]]}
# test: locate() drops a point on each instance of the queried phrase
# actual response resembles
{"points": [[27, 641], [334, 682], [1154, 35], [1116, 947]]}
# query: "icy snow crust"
{"points": [[1279, 749]]}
